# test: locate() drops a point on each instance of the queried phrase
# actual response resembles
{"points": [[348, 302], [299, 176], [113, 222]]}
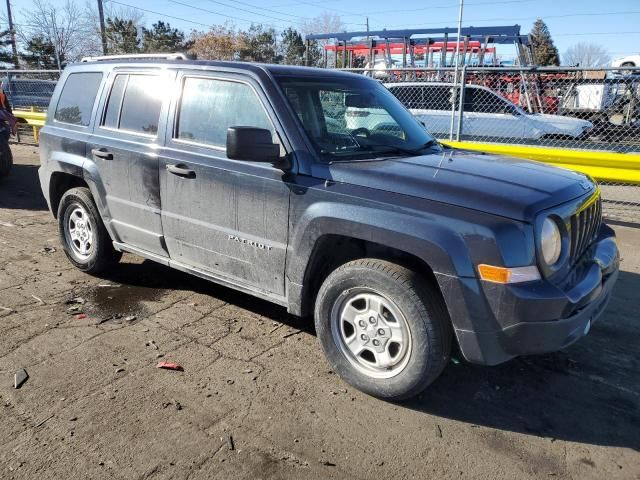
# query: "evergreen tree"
{"points": [[258, 45], [162, 38], [292, 47], [122, 36], [6, 56], [41, 54], [545, 52]]}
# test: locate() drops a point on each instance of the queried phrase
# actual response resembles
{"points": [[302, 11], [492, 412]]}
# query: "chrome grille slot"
{"points": [[585, 224]]}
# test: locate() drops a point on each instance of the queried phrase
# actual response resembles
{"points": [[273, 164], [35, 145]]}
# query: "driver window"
{"points": [[210, 106]]}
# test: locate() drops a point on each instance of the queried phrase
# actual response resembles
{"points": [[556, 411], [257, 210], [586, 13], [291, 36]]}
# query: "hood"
{"points": [[561, 123], [504, 186]]}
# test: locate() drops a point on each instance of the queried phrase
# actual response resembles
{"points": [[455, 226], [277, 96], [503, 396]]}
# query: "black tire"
{"points": [[6, 158], [101, 255], [422, 307]]}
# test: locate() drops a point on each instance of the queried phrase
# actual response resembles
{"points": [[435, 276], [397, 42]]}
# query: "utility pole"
{"points": [[12, 32], [455, 73], [102, 34]]}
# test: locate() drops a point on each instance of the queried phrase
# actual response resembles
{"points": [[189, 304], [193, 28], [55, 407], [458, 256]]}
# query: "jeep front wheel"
{"points": [[84, 238], [384, 329]]}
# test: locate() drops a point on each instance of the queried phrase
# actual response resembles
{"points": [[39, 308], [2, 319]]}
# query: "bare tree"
{"points": [[324, 23], [589, 55], [68, 28]]}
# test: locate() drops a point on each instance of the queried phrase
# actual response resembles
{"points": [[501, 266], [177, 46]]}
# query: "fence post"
{"points": [[463, 81]]}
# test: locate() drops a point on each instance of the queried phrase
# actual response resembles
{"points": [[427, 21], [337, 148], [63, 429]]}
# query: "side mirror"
{"points": [[252, 144]]}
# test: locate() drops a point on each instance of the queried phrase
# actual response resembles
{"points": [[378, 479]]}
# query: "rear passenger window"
{"points": [[115, 101], [134, 103], [77, 98], [210, 106]]}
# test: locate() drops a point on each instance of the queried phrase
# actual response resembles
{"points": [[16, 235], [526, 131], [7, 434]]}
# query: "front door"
{"points": [[124, 149], [222, 216]]}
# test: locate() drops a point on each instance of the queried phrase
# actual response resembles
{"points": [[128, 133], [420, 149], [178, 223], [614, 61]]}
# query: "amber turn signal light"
{"points": [[490, 273]]}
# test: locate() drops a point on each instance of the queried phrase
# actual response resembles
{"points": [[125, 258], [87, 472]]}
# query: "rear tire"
{"points": [[83, 236], [6, 158], [384, 328]]}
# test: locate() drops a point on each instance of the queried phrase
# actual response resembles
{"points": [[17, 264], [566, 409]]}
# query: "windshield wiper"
{"points": [[408, 151]]}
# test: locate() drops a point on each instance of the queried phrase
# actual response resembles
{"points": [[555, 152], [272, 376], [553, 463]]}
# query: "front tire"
{"points": [[84, 237], [384, 329]]}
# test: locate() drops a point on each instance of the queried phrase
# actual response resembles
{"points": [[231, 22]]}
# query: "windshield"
{"points": [[355, 118]]}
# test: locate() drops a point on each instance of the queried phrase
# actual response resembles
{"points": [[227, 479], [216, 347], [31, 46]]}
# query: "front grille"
{"points": [[585, 224]]}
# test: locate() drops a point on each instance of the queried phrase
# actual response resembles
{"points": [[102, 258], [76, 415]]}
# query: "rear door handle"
{"points": [[181, 171], [102, 153]]}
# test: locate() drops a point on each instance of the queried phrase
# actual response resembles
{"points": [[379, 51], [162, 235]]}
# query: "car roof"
{"points": [[276, 70]]}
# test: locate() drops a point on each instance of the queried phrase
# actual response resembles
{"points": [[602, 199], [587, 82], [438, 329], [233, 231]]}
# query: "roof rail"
{"points": [[134, 56]]}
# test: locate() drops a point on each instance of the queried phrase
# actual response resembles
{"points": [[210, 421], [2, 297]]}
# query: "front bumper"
{"points": [[505, 321]]}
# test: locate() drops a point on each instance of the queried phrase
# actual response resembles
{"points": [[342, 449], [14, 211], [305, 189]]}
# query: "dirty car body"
{"points": [[312, 216]]}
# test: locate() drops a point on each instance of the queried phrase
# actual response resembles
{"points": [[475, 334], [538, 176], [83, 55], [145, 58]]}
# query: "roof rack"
{"points": [[136, 56]]}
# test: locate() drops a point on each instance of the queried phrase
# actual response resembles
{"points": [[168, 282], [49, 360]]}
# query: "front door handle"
{"points": [[181, 171], [102, 153]]}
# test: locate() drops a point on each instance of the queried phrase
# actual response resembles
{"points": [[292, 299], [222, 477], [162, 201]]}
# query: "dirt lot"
{"points": [[95, 406]]}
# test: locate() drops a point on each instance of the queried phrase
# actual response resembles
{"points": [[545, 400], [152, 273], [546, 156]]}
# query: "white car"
{"points": [[381, 68], [486, 114], [628, 61]]}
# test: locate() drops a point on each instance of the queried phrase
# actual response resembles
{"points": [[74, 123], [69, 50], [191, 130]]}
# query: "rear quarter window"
{"points": [[77, 98]]}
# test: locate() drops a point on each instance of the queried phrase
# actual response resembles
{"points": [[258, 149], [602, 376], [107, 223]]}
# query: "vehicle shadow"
{"points": [[588, 393], [148, 280], [21, 189]]}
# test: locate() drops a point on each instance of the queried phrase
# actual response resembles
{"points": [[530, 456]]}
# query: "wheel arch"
{"points": [[426, 246]]}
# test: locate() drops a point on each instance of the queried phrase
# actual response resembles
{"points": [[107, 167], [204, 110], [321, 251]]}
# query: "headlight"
{"points": [[550, 241]]}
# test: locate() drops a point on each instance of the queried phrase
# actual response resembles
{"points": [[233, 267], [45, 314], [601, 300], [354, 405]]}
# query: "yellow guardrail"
{"points": [[33, 118], [603, 166]]}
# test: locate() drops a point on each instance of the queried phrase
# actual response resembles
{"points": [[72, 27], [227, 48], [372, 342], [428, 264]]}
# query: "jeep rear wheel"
{"points": [[84, 238], [384, 328]]}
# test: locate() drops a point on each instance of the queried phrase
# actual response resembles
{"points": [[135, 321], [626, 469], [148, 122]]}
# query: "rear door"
{"points": [[125, 147], [223, 216]]}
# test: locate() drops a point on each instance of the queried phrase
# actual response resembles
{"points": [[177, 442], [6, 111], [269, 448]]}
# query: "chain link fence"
{"points": [[574, 109], [28, 91]]}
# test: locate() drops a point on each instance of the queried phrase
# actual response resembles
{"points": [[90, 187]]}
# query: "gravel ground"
{"points": [[256, 399]]}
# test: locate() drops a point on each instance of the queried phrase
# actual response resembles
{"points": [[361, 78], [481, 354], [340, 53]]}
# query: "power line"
{"points": [[259, 8], [159, 13], [633, 12]]}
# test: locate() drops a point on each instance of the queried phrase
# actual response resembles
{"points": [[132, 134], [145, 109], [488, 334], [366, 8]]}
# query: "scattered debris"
{"points": [[58, 274], [328, 464], [230, 443], [130, 318], [175, 403], [108, 285], [248, 370], [43, 421], [291, 334], [74, 309], [170, 366], [20, 377], [230, 381], [48, 250], [151, 343], [81, 316], [438, 431], [73, 419], [6, 309], [275, 328], [38, 299], [455, 361], [76, 300], [119, 370]]}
